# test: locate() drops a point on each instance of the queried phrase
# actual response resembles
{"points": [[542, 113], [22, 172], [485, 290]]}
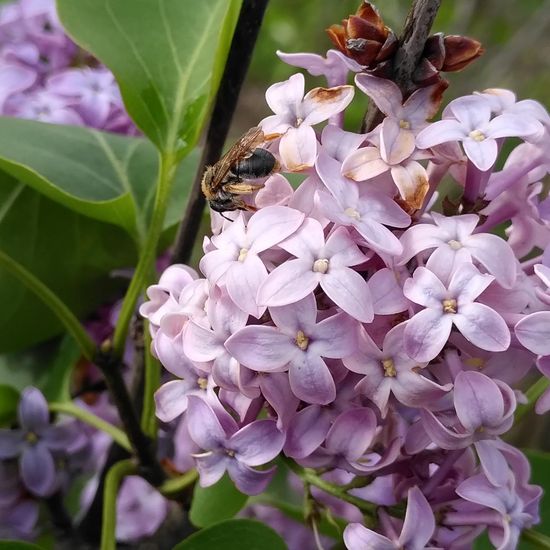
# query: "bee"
{"points": [[224, 182]]}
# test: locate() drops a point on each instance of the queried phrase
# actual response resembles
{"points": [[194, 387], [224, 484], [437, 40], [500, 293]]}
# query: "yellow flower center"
{"points": [[449, 306], [352, 213], [477, 135], [455, 245], [242, 254], [202, 383], [31, 438], [302, 341], [320, 266], [389, 368], [404, 124], [475, 362]]}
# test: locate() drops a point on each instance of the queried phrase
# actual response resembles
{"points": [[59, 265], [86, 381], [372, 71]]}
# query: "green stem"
{"points": [[309, 476], [533, 393], [537, 539], [113, 480], [151, 383], [167, 168], [56, 305], [91, 419], [172, 487]]}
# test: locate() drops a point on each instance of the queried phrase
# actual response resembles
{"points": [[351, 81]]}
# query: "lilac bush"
{"points": [[348, 357]]}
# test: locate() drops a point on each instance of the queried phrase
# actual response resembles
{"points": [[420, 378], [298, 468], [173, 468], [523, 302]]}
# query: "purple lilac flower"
{"points": [[225, 447], [37, 442], [427, 332]]}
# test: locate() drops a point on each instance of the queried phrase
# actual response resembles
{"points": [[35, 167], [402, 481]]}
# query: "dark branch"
{"points": [[143, 446], [411, 45], [238, 60]]}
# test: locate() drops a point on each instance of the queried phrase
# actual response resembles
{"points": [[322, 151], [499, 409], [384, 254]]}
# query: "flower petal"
{"points": [[248, 480], [411, 179], [467, 283], [38, 470], [171, 399], [348, 290], [11, 443], [364, 164], [419, 523], [307, 431], [33, 410], [205, 429], [425, 288], [261, 348], [257, 443], [334, 337], [298, 148], [482, 153], [495, 255], [396, 144], [533, 332], [243, 279], [352, 433], [438, 132], [270, 225], [385, 93], [357, 537], [288, 283], [482, 326], [311, 380], [426, 334], [284, 97], [321, 103], [387, 294]]}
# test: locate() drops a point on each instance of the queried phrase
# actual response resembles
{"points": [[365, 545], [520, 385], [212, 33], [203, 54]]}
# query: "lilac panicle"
{"points": [[354, 326]]}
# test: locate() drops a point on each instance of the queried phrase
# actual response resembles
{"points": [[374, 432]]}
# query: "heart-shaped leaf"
{"points": [[213, 504], [167, 57], [234, 534], [72, 254], [104, 176]]}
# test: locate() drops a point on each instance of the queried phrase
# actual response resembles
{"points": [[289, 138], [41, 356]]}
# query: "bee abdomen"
{"points": [[258, 165]]}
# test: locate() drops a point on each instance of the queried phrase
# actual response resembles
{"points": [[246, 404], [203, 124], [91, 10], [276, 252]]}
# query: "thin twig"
{"points": [[411, 45], [238, 60]]}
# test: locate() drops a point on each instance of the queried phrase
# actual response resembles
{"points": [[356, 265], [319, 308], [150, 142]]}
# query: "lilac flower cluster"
{"points": [[45, 76], [352, 327]]}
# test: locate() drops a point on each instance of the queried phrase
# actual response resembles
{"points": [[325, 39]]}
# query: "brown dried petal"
{"points": [[434, 50], [369, 13], [337, 35], [363, 51], [460, 51], [359, 28]]}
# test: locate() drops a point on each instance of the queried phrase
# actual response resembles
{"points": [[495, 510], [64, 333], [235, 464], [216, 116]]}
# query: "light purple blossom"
{"points": [[227, 448], [37, 442], [295, 114], [455, 242], [427, 332], [320, 263], [140, 510], [470, 122], [236, 263], [392, 371], [297, 344]]}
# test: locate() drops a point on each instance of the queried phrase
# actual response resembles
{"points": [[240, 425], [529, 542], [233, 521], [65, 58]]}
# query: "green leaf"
{"points": [[9, 397], [70, 253], [213, 504], [167, 57], [234, 534], [107, 177]]}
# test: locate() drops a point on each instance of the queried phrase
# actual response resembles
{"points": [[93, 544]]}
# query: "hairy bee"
{"points": [[223, 183]]}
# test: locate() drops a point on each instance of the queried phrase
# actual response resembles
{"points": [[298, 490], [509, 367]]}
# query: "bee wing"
{"points": [[240, 149]]}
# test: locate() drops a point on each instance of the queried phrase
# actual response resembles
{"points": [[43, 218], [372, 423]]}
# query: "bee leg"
{"points": [[242, 188]]}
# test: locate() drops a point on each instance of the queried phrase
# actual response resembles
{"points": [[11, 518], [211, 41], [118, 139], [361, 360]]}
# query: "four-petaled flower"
{"points": [[428, 331], [227, 448]]}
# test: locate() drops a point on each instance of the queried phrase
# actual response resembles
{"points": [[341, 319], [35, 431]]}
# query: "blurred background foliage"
{"points": [[515, 35]]}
